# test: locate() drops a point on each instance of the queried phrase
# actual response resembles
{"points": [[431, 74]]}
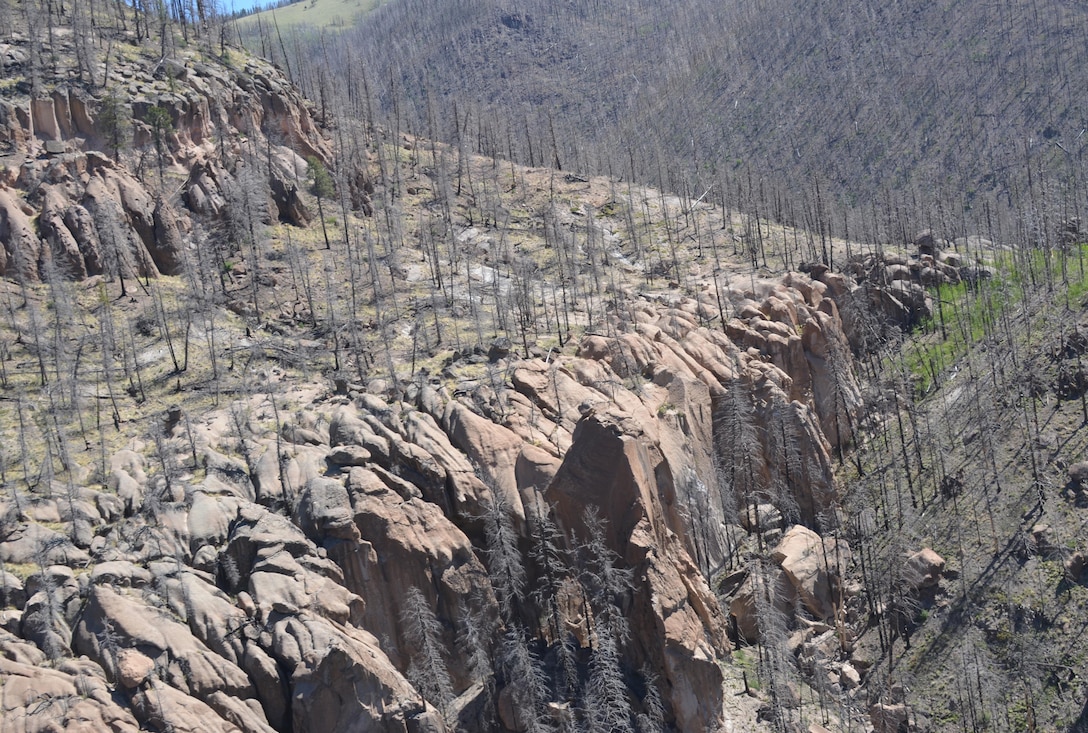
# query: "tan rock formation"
{"points": [[923, 569], [494, 450], [29, 693], [255, 579], [133, 668], [21, 246], [814, 567], [408, 543], [675, 619]]}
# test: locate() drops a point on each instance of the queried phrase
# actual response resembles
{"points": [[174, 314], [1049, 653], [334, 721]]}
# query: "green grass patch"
{"points": [[22, 570], [966, 314], [316, 13], [748, 661]]}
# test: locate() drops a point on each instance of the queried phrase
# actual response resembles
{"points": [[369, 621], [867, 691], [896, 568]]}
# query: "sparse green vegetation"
{"points": [[967, 314]]}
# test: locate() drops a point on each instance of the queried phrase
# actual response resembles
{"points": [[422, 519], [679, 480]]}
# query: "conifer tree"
{"points": [[427, 669], [323, 189], [652, 717], [524, 677], [114, 119], [161, 126], [505, 565], [606, 703], [552, 565], [740, 453]]}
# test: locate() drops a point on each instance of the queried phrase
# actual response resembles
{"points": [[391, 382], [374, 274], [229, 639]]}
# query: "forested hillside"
{"points": [[946, 112]]}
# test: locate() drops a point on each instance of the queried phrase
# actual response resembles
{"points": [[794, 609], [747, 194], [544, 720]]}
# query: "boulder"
{"points": [[79, 103], [41, 622], [890, 718], [469, 492], [849, 678], [902, 303], [283, 572], [16, 649], [12, 131], [349, 455], [534, 470], [165, 245], [116, 230], [360, 188], [814, 568], [133, 668], [128, 489], [923, 569], [222, 626], [324, 510], [289, 203], [1074, 566], [202, 193], [927, 243], [1078, 474]]}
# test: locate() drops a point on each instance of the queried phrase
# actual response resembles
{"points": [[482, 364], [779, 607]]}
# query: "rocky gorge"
{"points": [[610, 475]]}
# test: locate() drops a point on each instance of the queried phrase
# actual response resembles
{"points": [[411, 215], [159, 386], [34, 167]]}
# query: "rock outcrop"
{"points": [[676, 622], [269, 592], [814, 567], [76, 201]]}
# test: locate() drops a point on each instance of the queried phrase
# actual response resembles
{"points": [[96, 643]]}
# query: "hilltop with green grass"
{"points": [[335, 14]]}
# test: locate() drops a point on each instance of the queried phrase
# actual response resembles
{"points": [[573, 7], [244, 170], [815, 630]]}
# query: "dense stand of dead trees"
{"points": [[914, 478], [696, 126]]}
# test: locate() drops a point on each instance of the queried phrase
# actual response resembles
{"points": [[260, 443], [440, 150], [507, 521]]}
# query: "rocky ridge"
{"points": [[195, 590]]}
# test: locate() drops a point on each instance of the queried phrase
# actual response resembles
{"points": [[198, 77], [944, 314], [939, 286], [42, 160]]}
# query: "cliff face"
{"points": [[524, 450]]}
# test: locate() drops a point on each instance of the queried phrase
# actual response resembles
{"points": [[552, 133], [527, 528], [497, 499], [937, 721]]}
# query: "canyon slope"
{"points": [[309, 425]]}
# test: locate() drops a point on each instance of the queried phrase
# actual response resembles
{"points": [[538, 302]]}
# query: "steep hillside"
{"points": [[940, 109], [116, 161], [986, 470], [488, 447]]}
